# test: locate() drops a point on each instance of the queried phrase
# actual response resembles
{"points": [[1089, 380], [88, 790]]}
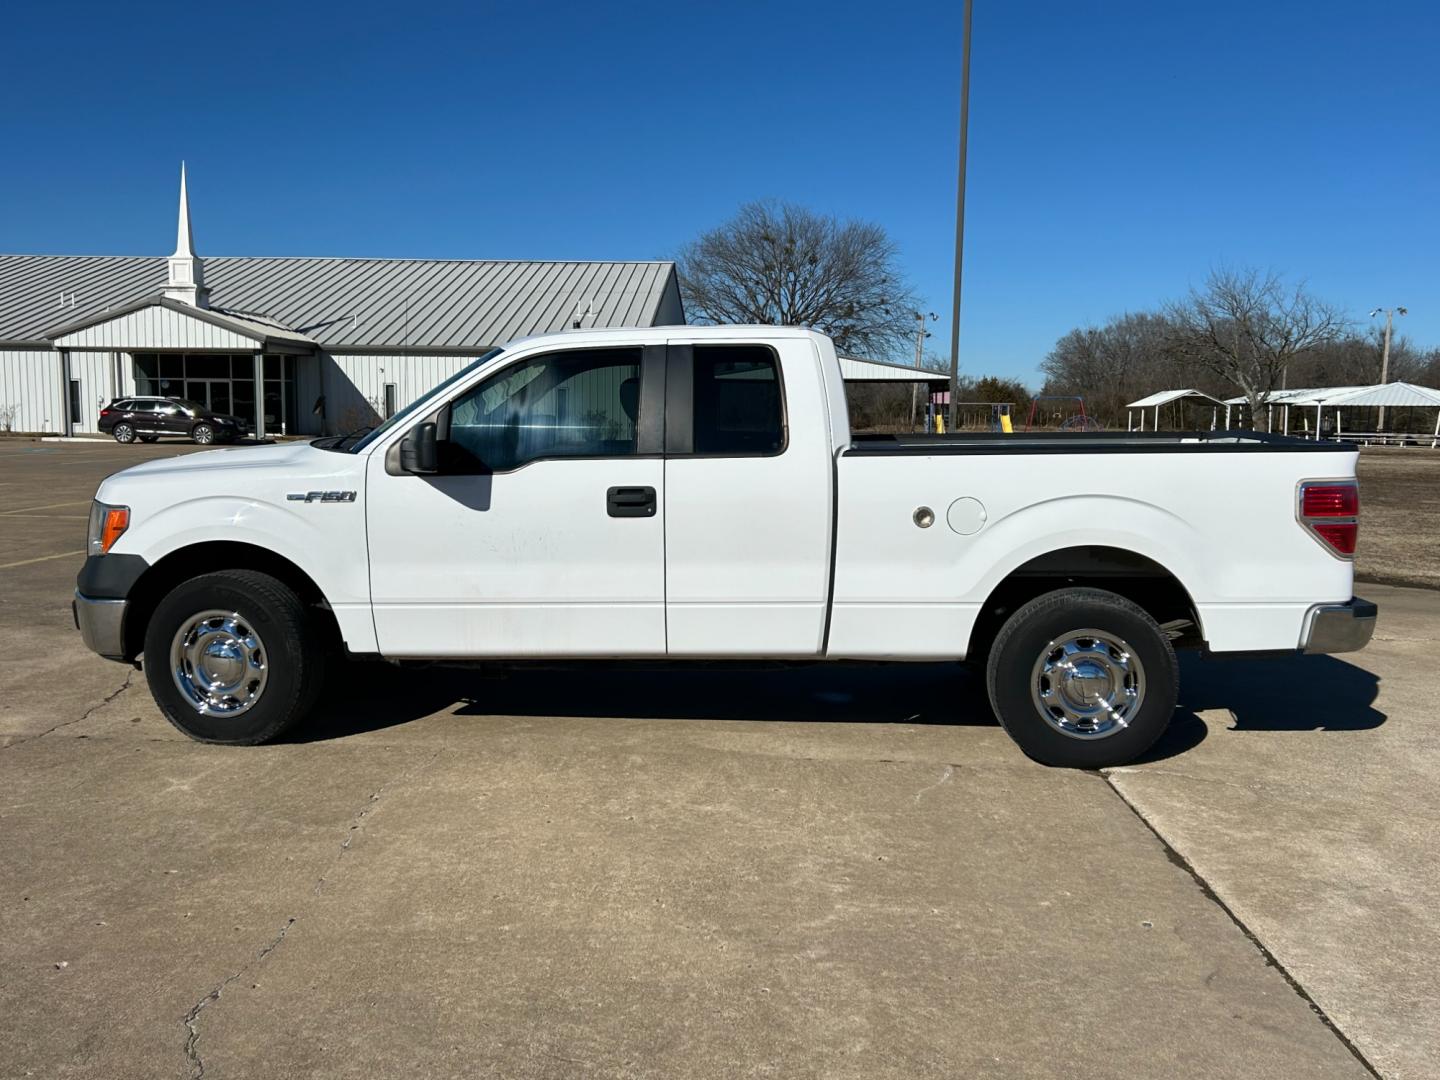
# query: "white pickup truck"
{"points": [[695, 493]]}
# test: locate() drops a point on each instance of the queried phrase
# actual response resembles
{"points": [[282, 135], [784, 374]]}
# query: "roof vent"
{"points": [[585, 315]]}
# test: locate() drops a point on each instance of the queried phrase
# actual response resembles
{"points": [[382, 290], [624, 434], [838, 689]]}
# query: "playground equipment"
{"points": [[1074, 421], [978, 416]]}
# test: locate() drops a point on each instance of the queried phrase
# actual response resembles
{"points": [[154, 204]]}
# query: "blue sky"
{"points": [[1118, 151]]}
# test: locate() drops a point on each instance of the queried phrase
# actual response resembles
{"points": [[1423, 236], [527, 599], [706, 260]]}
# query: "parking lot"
{"points": [[840, 872]]}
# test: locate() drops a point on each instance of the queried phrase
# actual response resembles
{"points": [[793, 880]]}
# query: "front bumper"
{"points": [[1338, 628], [101, 624]]}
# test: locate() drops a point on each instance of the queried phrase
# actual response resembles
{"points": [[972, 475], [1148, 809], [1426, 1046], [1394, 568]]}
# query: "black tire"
{"points": [[149, 438], [1027, 638], [123, 433], [295, 648], [203, 434]]}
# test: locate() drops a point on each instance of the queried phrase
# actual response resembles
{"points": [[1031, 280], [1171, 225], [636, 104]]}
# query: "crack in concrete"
{"points": [[1179, 860], [357, 820], [192, 1018], [79, 719]]}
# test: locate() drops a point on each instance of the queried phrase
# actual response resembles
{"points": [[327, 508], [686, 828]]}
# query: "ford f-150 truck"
{"points": [[695, 493]]}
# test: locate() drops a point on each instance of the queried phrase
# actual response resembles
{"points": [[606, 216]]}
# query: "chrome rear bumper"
{"points": [[1337, 628], [101, 624]]}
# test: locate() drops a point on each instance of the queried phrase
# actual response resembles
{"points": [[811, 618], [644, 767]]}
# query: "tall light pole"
{"points": [[960, 213], [1385, 352], [920, 335]]}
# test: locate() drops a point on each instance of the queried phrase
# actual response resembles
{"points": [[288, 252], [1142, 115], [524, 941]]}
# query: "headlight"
{"points": [[107, 524]]}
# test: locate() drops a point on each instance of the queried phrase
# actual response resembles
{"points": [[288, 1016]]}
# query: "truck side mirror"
{"points": [[417, 450]]}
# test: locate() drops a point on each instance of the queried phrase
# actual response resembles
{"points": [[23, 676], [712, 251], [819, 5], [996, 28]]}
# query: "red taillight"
{"points": [[104, 412], [1340, 536], [1329, 500], [1329, 509]]}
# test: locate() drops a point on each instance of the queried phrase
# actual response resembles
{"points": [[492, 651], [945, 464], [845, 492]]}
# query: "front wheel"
{"points": [[123, 433], [1083, 678], [234, 657], [203, 434]]}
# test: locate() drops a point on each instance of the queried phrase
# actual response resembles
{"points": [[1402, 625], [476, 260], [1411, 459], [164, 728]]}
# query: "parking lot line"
{"points": [[42, 558], [48, 506]]}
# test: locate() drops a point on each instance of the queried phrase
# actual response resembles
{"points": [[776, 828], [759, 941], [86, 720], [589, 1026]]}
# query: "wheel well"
{"points": [[207, 558], [1135, 577]]}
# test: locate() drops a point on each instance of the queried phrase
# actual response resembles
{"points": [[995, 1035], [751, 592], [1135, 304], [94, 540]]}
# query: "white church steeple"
{"points": [[187, 276]]}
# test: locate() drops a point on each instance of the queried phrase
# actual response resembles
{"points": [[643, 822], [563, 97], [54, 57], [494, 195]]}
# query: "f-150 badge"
{"points": [[321, 496]]}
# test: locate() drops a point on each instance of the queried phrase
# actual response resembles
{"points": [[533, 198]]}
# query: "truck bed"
{"points": [[1088, 442]]}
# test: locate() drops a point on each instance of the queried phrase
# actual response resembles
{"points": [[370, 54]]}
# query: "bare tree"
{"points": [[784, 265], [1111, 365], [1247, 327]]}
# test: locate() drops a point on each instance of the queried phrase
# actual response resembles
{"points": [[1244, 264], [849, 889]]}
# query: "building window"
{"points": [[389, 400], [76, 420]]}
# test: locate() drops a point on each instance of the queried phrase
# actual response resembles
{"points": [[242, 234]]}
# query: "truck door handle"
{"points": [[630, 501]]}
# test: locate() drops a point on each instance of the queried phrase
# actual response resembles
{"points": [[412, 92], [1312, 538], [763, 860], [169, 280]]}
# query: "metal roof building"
{"points": [[294, 345]]}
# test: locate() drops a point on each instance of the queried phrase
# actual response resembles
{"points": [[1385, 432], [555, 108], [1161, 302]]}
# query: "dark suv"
{"points": [[147, 418]]}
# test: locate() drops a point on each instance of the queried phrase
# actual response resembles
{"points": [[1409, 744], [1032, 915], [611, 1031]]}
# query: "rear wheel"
{"points": [[234, 657], [1082, 678], [123, 433], [203, 434]]}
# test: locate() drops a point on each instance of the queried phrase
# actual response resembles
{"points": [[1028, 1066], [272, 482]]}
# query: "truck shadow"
{"points": [[828, 693], [1301, 693], [1293, 693]]}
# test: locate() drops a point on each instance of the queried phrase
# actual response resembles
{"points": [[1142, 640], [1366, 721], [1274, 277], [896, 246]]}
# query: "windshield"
{"points": [[405, 413]]}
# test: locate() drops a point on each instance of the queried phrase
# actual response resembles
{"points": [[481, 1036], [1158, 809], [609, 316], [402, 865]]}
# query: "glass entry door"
{"points": [[214, 394]]}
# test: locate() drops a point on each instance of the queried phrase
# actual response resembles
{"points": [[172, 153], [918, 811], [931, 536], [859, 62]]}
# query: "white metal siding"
{"points": [[354, 386], [95, 372], [30, 384], [156, 328]]}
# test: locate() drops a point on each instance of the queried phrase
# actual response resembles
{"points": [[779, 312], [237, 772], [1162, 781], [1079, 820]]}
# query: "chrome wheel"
{"points": [[1088, 684], [124, 433], [203, 434], [219, 663]]}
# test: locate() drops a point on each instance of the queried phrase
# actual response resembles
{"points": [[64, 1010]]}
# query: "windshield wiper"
{"points": [[341, 443]]}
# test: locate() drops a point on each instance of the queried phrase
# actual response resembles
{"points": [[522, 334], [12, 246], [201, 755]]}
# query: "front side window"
{"points": [[581, 403], [738, 411]]}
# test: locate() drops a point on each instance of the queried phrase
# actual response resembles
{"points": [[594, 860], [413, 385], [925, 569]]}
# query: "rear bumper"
{"points": [[101, 624], [1338, 628]]}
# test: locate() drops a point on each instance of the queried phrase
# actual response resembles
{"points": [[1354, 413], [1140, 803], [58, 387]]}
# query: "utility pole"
{"points": [[1385, 352], [960, 213], [920, 335]]}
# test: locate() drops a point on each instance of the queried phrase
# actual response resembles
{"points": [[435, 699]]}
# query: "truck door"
{"points": [[749, 484], [543, 532]]}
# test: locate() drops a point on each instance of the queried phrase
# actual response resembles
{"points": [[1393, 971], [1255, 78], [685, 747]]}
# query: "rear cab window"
{"points": [[737, 406]]}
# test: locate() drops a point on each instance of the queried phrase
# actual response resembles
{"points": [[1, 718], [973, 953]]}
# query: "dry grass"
{"points": [[1399, 516]]}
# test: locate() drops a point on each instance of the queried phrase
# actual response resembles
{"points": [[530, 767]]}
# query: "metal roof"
{"points": [[1304, 395], [1398, 394], [351, 303], [855, 370], [1165, 397]]}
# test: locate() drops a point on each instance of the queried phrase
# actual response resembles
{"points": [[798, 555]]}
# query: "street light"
{"points": [[920, 335], [1385, 353]]}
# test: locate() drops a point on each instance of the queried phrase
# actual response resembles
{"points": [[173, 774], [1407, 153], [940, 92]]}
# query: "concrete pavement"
{"points": [[819, 872]]}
